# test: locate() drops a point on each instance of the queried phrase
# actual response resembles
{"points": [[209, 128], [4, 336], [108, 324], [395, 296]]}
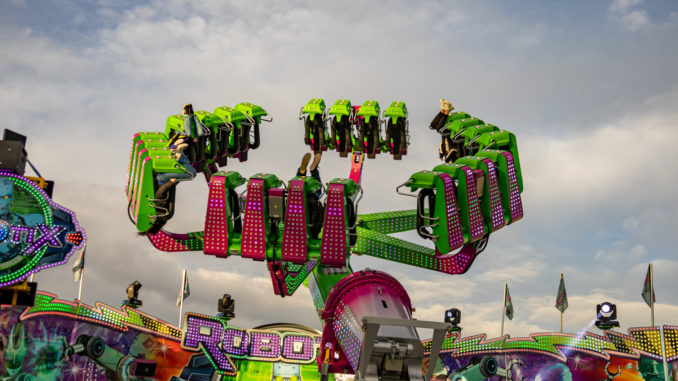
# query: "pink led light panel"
{"points": [[294, 233], [333, 247], [254, 229], [215, 241]]}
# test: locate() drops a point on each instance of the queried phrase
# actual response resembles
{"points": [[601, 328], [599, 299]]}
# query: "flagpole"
{"points": [[561, 312], [82, 275], [651, 296], [503, 310], [181, 298]]}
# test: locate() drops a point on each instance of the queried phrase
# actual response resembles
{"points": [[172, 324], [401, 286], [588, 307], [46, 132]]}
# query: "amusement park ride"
{"points": [[304, 232], [368, 326]]}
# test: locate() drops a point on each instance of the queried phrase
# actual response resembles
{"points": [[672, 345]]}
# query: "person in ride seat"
{"points": [[316, 208], [167, 180], [314, 168], [446, 151], [193, 127], [195, 131]]}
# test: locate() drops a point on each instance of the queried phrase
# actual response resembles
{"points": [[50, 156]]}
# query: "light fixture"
{"points": [[606, 315], [133, 295], [453, 316], [226, 307]]}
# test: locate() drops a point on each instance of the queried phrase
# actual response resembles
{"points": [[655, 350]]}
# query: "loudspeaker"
{"points": [[13, 156], [14, 136]]}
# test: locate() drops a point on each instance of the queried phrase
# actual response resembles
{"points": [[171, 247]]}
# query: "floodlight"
{"points": [[133, 295], [453, 316], [606, 313], [226, 307]]}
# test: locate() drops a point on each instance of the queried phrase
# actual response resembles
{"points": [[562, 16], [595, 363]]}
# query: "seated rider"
{"points": [[194, 130], [167, 180], [314, 168], [316, 208], [446, 150]]}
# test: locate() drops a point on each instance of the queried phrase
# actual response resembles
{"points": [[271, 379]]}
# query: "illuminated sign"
{"points": [[221, 343], [35, 232]]}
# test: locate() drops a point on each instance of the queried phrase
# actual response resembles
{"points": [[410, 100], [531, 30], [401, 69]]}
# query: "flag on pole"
{"points": [[185, 292], [508, 306], [648, 290], [79, 265], [561, 298]]}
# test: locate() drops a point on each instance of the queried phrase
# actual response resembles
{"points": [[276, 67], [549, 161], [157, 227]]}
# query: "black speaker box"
{"points": [[13, 156]]}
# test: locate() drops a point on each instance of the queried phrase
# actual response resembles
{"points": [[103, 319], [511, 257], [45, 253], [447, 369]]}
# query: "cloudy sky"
{"points": [[589, 88]]}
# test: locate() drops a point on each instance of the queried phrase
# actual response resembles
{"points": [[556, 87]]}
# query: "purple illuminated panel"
{"points": [[294, 233], [298, 348], [254, 229], [454, 232], [333, 250], [495, 196], [48, 236], [515, 202], [207, 333], [216, 221], [236, 342], [349, 334], [264, 345], [475, 218]]}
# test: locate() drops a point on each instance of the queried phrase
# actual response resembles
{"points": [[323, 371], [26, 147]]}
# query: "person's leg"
{"points": [[315, 173], [304, 163], [190, 171], [162, 178], [161, 193]]}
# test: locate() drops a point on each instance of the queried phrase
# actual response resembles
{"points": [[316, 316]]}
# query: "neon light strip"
{"points": [[130, 170], [47, 304], [137, 191], [557, 345]]}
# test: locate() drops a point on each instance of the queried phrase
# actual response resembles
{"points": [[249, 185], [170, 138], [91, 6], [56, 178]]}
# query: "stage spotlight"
{"points": [[606, 315], [453, 316], [226, 307], [133, 295]]}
